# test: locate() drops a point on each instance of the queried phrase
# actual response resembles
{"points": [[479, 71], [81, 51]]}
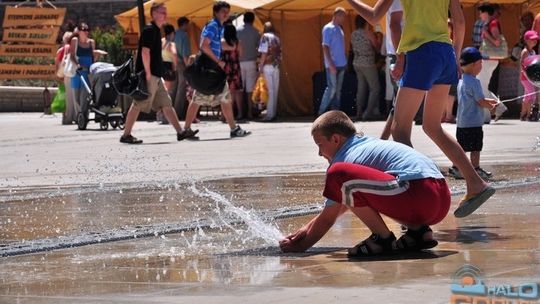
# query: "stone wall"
{"points": [[23, 99]]}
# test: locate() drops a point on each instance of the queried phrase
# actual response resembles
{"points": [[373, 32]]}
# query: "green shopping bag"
{"points": [[58, 104]]}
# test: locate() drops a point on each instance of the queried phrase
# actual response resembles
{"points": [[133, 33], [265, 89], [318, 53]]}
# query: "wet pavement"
{"points": [[209, 238], [230, 258]]}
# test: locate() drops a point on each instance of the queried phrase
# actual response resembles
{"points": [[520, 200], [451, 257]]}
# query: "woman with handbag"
{"points": [[365, 45], [492, 40], [495, 48], [82, 55], [70, 115]]}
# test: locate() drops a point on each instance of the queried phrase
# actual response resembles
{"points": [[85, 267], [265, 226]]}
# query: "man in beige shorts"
{"points": [[149, 59], [211, 46]]}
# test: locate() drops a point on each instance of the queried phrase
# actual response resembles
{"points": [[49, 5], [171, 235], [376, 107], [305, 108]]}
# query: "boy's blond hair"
{"points": [[334, 122]]}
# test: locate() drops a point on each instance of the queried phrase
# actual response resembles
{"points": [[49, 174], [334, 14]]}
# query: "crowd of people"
{"points": [[241, 51], [248, 54], [244, 54]]}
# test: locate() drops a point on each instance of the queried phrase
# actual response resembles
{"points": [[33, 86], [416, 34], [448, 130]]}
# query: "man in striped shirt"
{"points": [[211, 38]]}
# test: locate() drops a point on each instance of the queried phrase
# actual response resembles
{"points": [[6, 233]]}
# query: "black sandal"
{"points": [[362, 249], [413, 240]]}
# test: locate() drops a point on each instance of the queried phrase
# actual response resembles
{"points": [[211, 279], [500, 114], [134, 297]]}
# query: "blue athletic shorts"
{"points": [[431, 63]]}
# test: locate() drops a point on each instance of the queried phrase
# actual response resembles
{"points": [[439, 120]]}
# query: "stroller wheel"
{"points": [[81, 121], [121, 124], [114, 124], [103, 125]]}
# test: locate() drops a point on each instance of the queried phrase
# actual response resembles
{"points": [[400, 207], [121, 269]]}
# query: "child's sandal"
{"points": [[362, 249], [413, 240]]}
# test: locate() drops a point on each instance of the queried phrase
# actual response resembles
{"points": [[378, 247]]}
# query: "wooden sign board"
{"points": [[33, 16], [34, 35], [28, 50], [25, 71]]}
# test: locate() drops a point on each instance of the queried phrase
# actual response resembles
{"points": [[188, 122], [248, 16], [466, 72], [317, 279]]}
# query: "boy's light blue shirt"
{"points": [[333, 37], [391, 157], [469, 114]]}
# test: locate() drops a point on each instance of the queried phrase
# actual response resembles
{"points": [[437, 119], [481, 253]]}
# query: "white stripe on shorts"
{"points": [[383, 188]]}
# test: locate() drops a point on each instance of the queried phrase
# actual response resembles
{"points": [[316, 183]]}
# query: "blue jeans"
{"points": [[332, 94]]}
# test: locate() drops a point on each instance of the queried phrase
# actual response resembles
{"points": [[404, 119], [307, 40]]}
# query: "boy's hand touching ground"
{"points": [[291, 243]]}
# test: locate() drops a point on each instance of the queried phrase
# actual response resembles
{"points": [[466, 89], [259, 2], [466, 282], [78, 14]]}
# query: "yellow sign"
{"points": [[28, 50], [33, 16], [34, 35], [22, 71]]}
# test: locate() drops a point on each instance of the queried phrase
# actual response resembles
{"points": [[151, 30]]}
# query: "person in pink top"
{"points": [[531, 40]]}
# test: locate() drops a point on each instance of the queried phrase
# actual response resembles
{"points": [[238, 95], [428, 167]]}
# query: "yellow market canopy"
{"points": [[198, 11]]}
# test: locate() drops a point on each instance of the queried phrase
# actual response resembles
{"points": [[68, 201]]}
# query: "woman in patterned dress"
{"points": [[231, 57]]}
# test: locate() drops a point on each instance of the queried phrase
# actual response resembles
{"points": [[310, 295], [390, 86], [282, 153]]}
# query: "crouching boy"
{"points": [[371, 177]]}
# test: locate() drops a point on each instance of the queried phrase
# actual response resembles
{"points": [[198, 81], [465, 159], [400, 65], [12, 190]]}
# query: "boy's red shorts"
{"points": [[416, 202]]}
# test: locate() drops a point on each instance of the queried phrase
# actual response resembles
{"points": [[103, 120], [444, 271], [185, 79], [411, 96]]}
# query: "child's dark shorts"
{"points": [[470, 139], [415, 202]]}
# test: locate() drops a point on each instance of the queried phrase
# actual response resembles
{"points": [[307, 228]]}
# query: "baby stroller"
{"points": [[101, 99]]}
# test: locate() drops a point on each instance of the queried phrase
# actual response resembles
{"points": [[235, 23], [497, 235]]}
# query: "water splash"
{"points": [[269, 233], [536, 145]]}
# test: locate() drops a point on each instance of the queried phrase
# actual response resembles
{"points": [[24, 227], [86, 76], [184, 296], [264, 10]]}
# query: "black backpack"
{"points": [[126, 82], [205, 75]]}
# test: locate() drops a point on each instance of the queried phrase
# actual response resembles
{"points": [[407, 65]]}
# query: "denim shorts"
{"points": [[431, 63]]}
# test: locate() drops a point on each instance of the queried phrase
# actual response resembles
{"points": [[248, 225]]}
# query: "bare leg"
{"points": [[525, 110], [432, 127], [373, 220], [171, 116], [131, 117], [227, 111], [448, 117], [237, 99], [408, 101], [387, 127], [192, 111], [249, 105], [475, 159]]}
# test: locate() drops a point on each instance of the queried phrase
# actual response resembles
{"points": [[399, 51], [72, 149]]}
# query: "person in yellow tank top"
{"points": [[427, 65], [170, 63], [170, 57]]}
